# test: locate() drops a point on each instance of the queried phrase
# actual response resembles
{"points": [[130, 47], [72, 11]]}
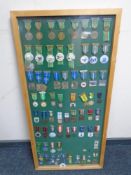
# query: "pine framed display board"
{"points": [[66, 61]]}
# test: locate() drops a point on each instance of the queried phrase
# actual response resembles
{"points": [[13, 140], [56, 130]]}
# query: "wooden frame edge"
{"points": [[14, 14]]}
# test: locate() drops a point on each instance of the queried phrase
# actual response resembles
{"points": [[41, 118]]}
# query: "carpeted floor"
{"points": [[16, 159]]}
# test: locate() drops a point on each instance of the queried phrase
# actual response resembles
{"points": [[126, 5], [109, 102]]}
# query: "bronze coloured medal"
{"points": [[51, 35], [61, 36]]}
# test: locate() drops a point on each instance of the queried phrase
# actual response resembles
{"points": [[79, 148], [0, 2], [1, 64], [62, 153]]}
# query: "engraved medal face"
{"points": [[59, 56], [39, 58], [84, 59], [28, 36], [94, 35], [39, 35], [51, 35], [104, 59], [50, 58], [61, 36], [29, 56], [93, 60], [70, 56]]}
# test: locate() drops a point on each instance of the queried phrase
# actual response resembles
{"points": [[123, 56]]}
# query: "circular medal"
{"points": [[59, 56], [70, 56], [39, 35], [28, 36], [104, 59], [94, 35], [29, 56], [39, 58], [35, 104], [43, 104], [50, 58], [83, 84], [91, 102], [51, 35], [74, 34], [61, 36], [84, 59], [37, 134], [93, 60]]}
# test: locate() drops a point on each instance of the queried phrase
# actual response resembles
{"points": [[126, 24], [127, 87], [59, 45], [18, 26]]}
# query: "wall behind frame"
{"points": [[12, 113]]}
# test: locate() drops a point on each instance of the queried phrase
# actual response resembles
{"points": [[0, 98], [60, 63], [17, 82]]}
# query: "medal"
{"points": [[59, 130], [73, 115], [104, 59], [85, 48], [30, 75], [74, 84], [93, 76], [61, 36], [84, 59], [74, 129], [94, 24], [52, 96], [64, 85], [39, 57], [41, 87], [99, 97], [29, 57], [39, 34], [72, 99], [94, 35], [50, 58], [70, 56], [103, 74], [85, 25], [60, 55], [81, 112], [75, 25], [106, 32], [57, 85], [93, 60], [46, 77], [38, 76], [35, 104], [28, 34], [60, 100], [51, 25]]}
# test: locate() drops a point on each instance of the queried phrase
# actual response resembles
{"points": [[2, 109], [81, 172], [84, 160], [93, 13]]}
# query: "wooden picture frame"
{"points": [[14, 19]]}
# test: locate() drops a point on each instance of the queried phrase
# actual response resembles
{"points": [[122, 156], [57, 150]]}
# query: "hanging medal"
{"points": [[50, 58], [43, 98], [74, 75], [106, 31], [60, 100], [85, 28], [28, 34], [94, 59], [28, 58], [94, 25], [70, 56], [93, 77], [83, 75], [39, 57], [85, 48], [60, 55], [39, 34], [52, 97], [102, 75], [75, 25], [51, 25], [105, 58], [61, 34]]}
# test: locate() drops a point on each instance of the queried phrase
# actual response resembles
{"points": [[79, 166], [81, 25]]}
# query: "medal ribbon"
{"points": [[70, 50], [61, 24], [38, 25], [60, 50], [27, 25], [85, 23], [50, 52], [51, 24], [75, 24], [95, 22]]}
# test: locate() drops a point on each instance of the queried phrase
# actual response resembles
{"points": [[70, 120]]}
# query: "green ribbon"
{"points": [[107, 22], [95, 22], [42, 95], [70, 47], [27, 48], [38, 49], [85, 23], [75, 24], [60, 97], [51, 24], [34, 96], [50, 49], [52, 96], [61, 24], [27, 25], [106, 36]]}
